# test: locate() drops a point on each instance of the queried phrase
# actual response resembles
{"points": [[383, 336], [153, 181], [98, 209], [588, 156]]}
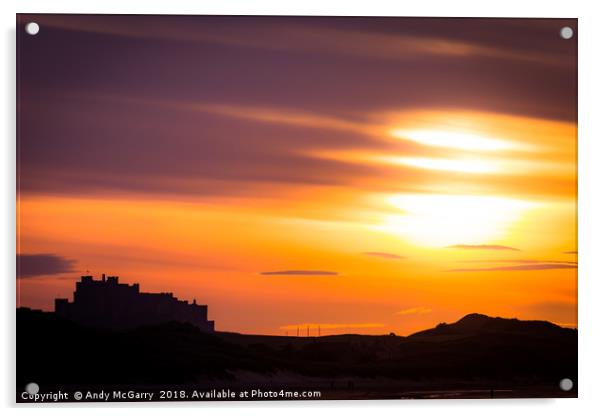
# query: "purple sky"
{"points": [[116, 94]]}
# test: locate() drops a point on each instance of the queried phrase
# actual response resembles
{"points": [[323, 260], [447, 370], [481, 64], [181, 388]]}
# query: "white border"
{"points": [[590, 206]]}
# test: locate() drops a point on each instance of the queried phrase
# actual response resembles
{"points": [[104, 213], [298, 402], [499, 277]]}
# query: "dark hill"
{"points": [[475, 323]]}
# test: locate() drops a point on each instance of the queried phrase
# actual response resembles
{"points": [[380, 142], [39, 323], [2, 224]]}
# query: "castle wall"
{"points": [[110, 304]]}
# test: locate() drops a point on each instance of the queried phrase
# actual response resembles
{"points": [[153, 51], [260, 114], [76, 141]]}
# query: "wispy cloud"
{"points": [[419, 310], [315, 325], [522, 267], [296, 35], [572, 325], [521, 261], [483, 247], [36, 265], [383, 255], [300, 273]]}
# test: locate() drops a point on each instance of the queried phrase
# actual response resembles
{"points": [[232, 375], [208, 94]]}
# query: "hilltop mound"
{"points": [[476, 323]]}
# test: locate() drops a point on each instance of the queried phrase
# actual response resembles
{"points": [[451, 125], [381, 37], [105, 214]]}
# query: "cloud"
{"points": [[563, 313], [572, 325], [300, 35], [483, 247], [193, 148], [521, 261], [257, 97], [549, 307], [300, 273], [35, 265], [523, 267], [383, 255], [419, 310], [332, 326]]}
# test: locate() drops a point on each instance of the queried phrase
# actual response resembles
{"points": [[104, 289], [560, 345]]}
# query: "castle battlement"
{"points": [[107, 303]]}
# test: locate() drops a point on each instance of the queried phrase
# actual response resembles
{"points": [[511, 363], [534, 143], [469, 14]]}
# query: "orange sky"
{"points": [[367, 220], [215, 249]]}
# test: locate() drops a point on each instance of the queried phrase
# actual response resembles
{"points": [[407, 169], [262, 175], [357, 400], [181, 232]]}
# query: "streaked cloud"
{"points": [[563, 313], [523, 267], [452, 140], [474, 166], [483, 247], [419, 310], [520, 261], [383, 255], [572, 325], [300, 273], [303, 141], [314, 326], [36, 265], [300, 34]]}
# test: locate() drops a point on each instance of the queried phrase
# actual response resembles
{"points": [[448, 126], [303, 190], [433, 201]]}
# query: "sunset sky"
{"points": [[365, 175]]}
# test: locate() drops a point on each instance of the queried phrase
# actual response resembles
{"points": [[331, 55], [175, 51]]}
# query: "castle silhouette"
{"points": [[109, 304]]}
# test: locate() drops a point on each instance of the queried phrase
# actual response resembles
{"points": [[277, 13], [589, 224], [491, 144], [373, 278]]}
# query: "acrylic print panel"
{"points": [[295, 208]]}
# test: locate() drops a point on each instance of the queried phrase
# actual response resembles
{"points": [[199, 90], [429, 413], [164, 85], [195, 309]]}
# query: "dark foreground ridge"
{"points": [[491, 357]]}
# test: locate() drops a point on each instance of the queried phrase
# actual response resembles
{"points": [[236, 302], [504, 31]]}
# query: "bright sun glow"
{"points": [[453, 140], [441, 220]]}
